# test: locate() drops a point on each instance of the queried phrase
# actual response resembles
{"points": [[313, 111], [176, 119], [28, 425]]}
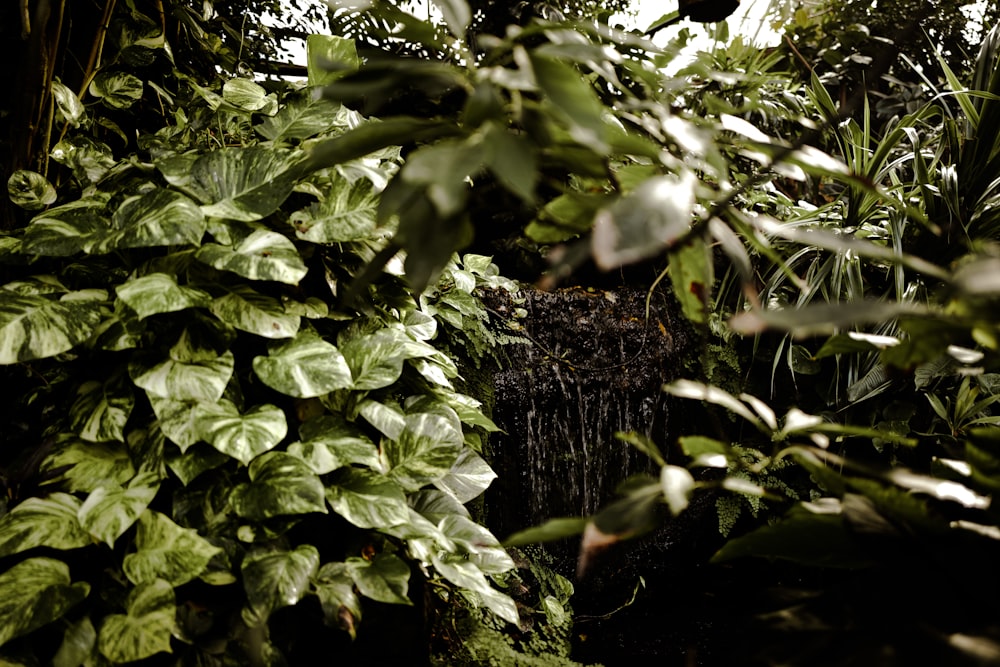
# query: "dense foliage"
{"points": [[234, 422]]}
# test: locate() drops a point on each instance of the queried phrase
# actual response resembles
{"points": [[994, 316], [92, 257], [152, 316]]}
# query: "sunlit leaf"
{"points": [[70, 106], [465, 574], [199, 380], [30, 190], [164, 550], [277, 579], [457, 15], [36, 592], [64, 230], [36, 327], [147, 627], [248, 310], [263, 255], [50, 522], [366, 499], [468, 477], [301, 119], [376, 359], [159, 293], [86, 465], [243, 183], [161, 217], [330, 57], [244, 94], [348, 213], [329, 442], [305, 367], [241, 436]]}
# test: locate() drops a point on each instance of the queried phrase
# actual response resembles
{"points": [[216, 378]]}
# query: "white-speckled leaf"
{"points": [[64, 230], [43, 522], [36, 327], [349, 213], [241, 436], [277, 579], [101, 409], [70, 106], [30, 190], [36, 592], [177, 420], [305, 367], [367, 499], [301, 119], [158, 218], [376, 359], [117, 90], [329, 442], [263, 255], [243, 183], [248, 310], [244, 94], [147, 627], [467, 575], [424, 452], [87, 465], [166, 551], [468, 477], [202, 380], [110, 509], [159, 293], [280, 484]]}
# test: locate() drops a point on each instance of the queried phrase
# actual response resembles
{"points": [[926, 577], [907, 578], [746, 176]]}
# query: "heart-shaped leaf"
{"points": [[243, 183], [87, 465], [305, 367], [244, 94], [166, 551], [110, 509], [277, 579], [425, 451], [177, 420], [263, 255], [302, 119], [51, 522], [117, 90], [386, 578], [159, 293], [35, 592], [349, 213], [376, 359], [329, 443], [36, 327], [158, 218], [241, 436], [101, 409], [30, 190], [367, 499], [281, 484], [198, 380], [147, 627], [248, 310], [468, 477]]}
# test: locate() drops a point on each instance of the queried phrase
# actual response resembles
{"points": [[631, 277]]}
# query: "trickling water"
{"points": [[596, 366]]}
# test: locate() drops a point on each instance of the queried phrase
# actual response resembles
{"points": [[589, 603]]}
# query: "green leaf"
{"points": [[244, 94], [705, 451], [64, 230], [305, 367], [373, 136], [424, 452], [820, 540], [117, 90], [575, 101], [69, 104], [190, 464], [466, 575], [50, 522], [164, 550], [376, 359], [89, 160], [329, 57], [110, 510], [77, 645], [159, 293], [644, 222], [301, 119], [147, 627], [329, 443], [248, 310], [101, 409], [468, 477], [36, 592], [387, 419], [367, 499], [36, 327], [30, 190], [158, 218], [177, 420], [564, 217], [243, 183], [263, 255], [335, 590], [386, 578], [277, 579], [199, 380], [281, 484], [87, 465], [512, 160], [349, 213], [241, 436], [553, 529], [692, 275]]}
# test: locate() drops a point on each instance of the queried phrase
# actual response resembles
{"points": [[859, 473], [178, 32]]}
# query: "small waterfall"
{"points": [[595, 366]]}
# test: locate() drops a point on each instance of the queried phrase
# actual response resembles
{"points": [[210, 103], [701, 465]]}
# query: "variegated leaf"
{"points": [[468, 477], [425, 451], [158, 218], [147, 627], [110, 509], [305, 367], [159, 293], [36, 592], [36, 327], [241, 436], [376, 359], [263, 255], [50, 522], [243, 183], [116, 89], [386, 578], [335, 590], [277, 579], [177, 420], [30, 190], [186, 381], [166, 551], [367, 499], [349, 213], [244, 94], [101, 409], [329, 443], [301, 119], [281, 484], [87, 465], [65, 230], [248, 310]]}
